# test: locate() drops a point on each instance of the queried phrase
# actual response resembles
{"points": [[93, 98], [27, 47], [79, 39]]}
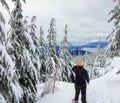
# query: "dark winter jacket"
{"points": [[81, 75]]}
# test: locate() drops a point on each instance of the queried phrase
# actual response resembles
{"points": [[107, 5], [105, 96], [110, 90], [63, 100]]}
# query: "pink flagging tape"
{"points": [[72, 100], [53, 89]]}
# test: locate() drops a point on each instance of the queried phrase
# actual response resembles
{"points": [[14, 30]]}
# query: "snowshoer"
{"points": [[81, 80]]}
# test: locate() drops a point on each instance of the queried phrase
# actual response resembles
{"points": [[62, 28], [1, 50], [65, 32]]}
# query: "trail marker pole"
{"points": [[53, 89]]}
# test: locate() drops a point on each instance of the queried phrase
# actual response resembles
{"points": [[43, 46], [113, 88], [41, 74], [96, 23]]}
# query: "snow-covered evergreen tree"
{"points": [[89, 59], [42, 54], [113, 48], [51, 58], [36, 45], [51, 51], [65, 60], [99, 63], [6, 66], [6, 76], [25, 77], [31, 42], [52, 40]]}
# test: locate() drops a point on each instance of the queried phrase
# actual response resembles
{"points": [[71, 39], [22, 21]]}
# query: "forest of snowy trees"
{"points": [[28, 58]]}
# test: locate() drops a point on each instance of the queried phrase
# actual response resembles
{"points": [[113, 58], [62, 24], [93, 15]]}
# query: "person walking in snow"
{"points": [[81, 80]]}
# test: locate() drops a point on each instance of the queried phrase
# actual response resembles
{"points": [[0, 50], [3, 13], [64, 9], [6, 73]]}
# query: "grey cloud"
{"points": [[85, 18]]}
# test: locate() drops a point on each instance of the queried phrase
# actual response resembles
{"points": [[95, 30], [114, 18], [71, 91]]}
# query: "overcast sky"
{"points": [[86, 19]]}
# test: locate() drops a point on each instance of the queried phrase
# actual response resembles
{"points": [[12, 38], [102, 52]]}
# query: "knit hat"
{"points": [[79, 63]]}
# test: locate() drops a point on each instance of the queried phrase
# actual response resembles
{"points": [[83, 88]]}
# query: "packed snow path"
{"points": [[102, 90]]}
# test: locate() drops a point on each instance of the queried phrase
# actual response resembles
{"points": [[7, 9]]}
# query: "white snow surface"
{"points": [[105, 89]]}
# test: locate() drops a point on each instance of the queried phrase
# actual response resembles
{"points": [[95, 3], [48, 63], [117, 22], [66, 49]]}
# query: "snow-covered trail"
{"points": [[63, 94], [105, 89], [102, 90]]}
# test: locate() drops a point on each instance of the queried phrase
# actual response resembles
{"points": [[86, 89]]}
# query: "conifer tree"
{"points": [[31, 41], [36, 45], [6, 6], [52, 40], [51, 51], [6, 66], [42, 54], [6, 76], [113, 49], [51, 58], [25, 73], [99, 62], [65, 57], [89, 62]]}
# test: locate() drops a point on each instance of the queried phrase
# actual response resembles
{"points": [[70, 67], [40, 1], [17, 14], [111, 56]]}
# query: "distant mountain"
{"points": [[95, 44], [76, 48]]}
